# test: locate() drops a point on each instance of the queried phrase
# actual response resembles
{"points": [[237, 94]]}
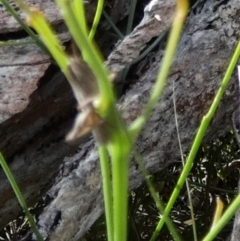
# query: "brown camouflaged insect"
{"points": [[85, 87]]}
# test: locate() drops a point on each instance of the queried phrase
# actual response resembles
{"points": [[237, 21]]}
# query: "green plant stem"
{"points": [[157, 89], [120, 191], [229, 213], [194, 228], [79, 9], [49, 37], [37, 20], [16, 43], [90, 55], [96, 18], [116, 30], [118, 144], [198, 139], [123, 74], [6, 4], [19, 196], [131, 16], [155, 197], [149, 49], [213, 188], [107, 189], [119, 147]]}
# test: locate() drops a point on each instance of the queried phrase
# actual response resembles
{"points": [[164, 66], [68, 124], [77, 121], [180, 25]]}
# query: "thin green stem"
{"points": [[90, 55], [213, 188], [198, 139], [157, 89], [148, 50], [120, 192], [155, 197], [38, 21], [224, 220], [19, 196], [38, 41], [16, 43], [79, 9], [107, 189], [119, 149], [119, 153], [194, 228], [96, 18], [131, 16], [114, 27]]}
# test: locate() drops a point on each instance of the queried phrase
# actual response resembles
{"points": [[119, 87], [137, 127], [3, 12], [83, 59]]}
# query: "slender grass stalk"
{"points": [[178, 22], [214, 188], [38, 41], [131, 16], [19, 196], [194, 228], [119, 147], [50, 39], [155, 197], [232, 209], [120, 163], [123, 75], [37, 20], [148, 50], [107, 189], [114, 27], [117, 133], [198, 139], [96, 18], [16, 43], [90, 54], [79, 9]]}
